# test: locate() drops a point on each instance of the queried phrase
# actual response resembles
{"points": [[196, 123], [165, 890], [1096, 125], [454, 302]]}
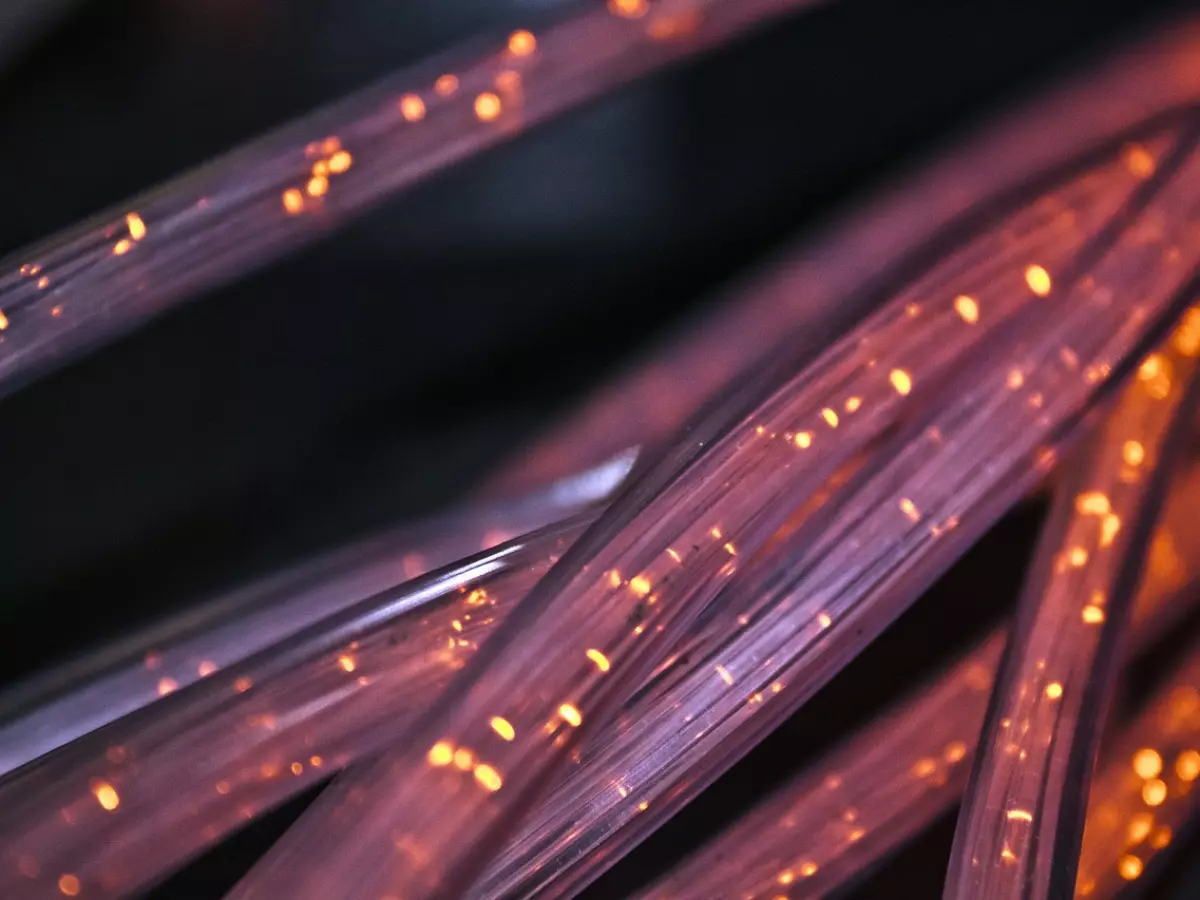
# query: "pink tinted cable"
{"points": [[107, 276], [839, 818], [1021, 824], [651, 560], [66, 703], [115, 811]]}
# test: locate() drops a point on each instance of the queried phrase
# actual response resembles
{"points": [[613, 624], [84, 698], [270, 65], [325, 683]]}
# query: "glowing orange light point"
{"points": [[487, 106], [293, 201], [522, 43], [412, 107]]}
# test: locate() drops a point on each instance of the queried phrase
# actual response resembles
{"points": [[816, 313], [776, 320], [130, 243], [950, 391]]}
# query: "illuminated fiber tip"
{"points": [[1138, 160], [640, 585], [1133, 453], [967, 309], [331, 145], [503, 728], [1154, 792], [674, 554], [412, 107], [804, 440], [824, 620], [1015, 379], [855, 835], [1054, 690], [1092, 615], [1038, 280], [487, 107], [206, 668], [628, 9], [1093, 503], [724, 673], [488, 777], [293, 201], [445, 86], [1109, 528], [830, 417], [1129, 867], [786, 877], [1077, 557], [3, 320], [1019, 815], [901, 381], [320, 167], [1007, 855], [923, 768], [1161, 838], [464, 759], [340, 162], [956, 751], [347, 663], [68, 885], [243, 684], [508, 81], [853, 404], [599, 659], [316, 762], [318, 186], [296, 768], [137, 228], [440, 754], [1139, 827], [1187, 766], [521, 43], [166, 686], [715, 532], [122, 247], [571, 715], [730, 549], [106, 795], [910, 509], [808, 869]]}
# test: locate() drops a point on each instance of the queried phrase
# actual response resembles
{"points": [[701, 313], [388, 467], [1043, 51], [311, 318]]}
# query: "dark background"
{"points": [[384, 372]]}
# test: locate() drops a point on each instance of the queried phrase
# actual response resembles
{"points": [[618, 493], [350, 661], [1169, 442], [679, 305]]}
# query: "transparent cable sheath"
{"points": [[113, 812], [1021, 823], [825, 607], [63, 704], [108, 275], [1143, 793], [836, 820], [987, 316]]}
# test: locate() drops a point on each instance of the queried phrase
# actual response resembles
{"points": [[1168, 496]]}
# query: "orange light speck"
{"points": [[628, 9], [508, 81], [901, 381], [1154, 792], [412, 107], [293, 201], [1147, 763], [1133, 453], [785, 878], [599, 659], [1092, 615], [910, 510], [318, 186], [166, 686], [1015, 379], [853, 404], [320, 167], [824, 620], [571, 715], [106, 795], [956, 751], [43, 283], [804, 439], [1077, 557], [297, 768], [640, 585], [1138, 160], [1109, 527], [724, 674], [243, 684], [1092, 503], [923, 768], [487, 106], [464, 759], [446, 85], [68, 885], [1187, 766], [137, 228], [316, 762], [3, 320], [340, 162], [967, 308], [488, 777], [330, 146], [121, 247], [522, 43], [830, 417], [206, 668], [347, 663], [1038, 280], [808, 869], [440, 754], [1054, 690], [1129, 867], [503, 727]]}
